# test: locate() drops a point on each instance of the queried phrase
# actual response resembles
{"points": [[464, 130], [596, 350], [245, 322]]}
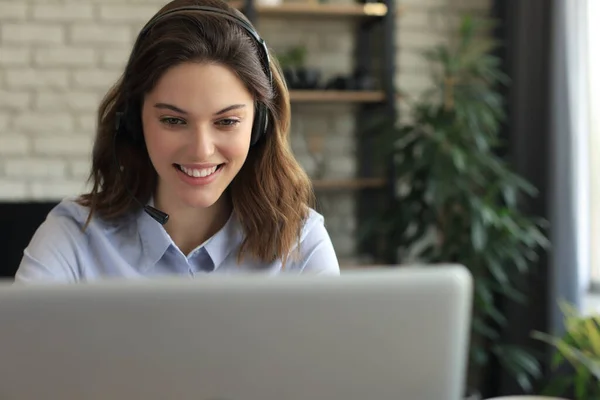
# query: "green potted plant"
{"points": [[578, 348], [456, 199]]}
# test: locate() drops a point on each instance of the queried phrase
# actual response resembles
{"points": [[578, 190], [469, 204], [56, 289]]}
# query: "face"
{"points": [[197, 125]]}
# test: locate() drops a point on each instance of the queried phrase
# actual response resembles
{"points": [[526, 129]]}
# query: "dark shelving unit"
{"points": [[374, 54]]}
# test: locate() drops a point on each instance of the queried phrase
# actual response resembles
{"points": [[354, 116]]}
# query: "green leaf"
{"points": [[458, 157], [520, 263], [581, 381], [529, 363], [557, 360], [479, 356], [574, 355], [525, 382], [483, 329], [482, 290], [559, 386], [510, 195], [521, 364], [478, 235], [496, 315], [497, 271]]}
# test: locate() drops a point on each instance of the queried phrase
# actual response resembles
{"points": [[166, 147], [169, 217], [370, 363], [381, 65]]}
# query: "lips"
{"points": [[198, 172], [198, 176]]}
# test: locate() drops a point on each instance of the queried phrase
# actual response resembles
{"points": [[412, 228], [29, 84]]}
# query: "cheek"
{"points": [[158, 144], [236, 149]]}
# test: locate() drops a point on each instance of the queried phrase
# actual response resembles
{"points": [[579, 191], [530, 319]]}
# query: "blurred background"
{"points": [[434, 131]]}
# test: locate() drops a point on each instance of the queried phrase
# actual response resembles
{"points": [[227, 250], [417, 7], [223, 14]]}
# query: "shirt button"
{"points": [[194, 253]]}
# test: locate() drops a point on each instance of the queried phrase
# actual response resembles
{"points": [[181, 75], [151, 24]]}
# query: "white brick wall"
{"points": [[100, 34], [36, 78], [29, 33], [12, 10], [32, 167], [58, 57], [11, 56], [137, 13], [49, 57], [10, 145], [63, 12]]}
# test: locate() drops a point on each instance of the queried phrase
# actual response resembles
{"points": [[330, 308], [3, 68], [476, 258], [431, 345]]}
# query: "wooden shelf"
{"points": [[336, 96], [350, 184], [318, 9], [325, 10]]}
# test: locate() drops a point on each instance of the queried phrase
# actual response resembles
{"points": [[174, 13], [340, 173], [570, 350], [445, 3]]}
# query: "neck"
{"points": [[189, 227]]}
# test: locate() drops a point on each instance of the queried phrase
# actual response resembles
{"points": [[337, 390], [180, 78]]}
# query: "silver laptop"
{"points": [[397, 333]]}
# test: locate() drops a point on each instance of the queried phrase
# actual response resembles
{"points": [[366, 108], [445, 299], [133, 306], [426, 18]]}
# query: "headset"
{"points": [[129, 119]]}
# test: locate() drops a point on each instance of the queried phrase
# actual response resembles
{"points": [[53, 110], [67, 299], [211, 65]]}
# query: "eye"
{"points": [[228, 122], [172, 121]]}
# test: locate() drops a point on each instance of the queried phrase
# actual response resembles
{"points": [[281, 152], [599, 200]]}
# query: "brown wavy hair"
{"points": [[271, 193]]}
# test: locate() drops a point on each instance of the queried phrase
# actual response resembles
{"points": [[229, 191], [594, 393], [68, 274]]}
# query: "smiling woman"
{"points": [[209, 135], [197, 141], [192, 171]]}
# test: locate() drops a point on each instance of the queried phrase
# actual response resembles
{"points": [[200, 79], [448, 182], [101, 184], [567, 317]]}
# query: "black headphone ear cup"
{"points": [[130, 125], [260, 124], [134, 126]]}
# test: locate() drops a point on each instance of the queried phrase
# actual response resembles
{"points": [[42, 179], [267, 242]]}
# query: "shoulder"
{"points": [[313, 224], [316, 253], [70, 215], [66, 216], [57, 244], [51, 253], [68, 225]]}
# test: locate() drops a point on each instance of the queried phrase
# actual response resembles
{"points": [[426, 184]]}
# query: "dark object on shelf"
{"points": [[297, 75], [338, 83], [302, 78], [360, 81], [291, 77], [363, 81], [369, 2], [308, 78]]}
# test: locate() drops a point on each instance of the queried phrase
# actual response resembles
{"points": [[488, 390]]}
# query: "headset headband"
{"points": [[265, 59]]}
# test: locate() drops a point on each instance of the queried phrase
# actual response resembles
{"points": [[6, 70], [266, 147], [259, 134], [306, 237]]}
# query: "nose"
{"points": [[203, 142]]}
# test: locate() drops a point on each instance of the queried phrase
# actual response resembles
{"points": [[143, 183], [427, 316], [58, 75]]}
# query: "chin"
{"points": [[200, 200]]}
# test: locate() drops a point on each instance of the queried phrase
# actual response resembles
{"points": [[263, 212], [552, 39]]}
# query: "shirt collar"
{"points": [[228, 238], [156, 240]]}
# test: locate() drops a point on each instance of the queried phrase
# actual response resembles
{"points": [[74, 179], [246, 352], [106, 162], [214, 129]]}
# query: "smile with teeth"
{"points": [[198, 173]]}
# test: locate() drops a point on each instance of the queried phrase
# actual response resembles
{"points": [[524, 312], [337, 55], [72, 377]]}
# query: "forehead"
{"points": [[200, 86]]}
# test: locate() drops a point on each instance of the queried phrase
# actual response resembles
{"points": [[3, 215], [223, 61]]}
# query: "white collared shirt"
{"points": [[139, 247]]}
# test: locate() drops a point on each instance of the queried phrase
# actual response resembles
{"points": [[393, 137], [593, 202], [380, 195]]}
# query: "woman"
{"points": [[191, 170]]}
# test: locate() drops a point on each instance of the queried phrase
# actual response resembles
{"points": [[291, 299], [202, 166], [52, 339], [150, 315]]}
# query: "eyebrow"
{"points": [[179, 110], [170, 107], [232, 107]]}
